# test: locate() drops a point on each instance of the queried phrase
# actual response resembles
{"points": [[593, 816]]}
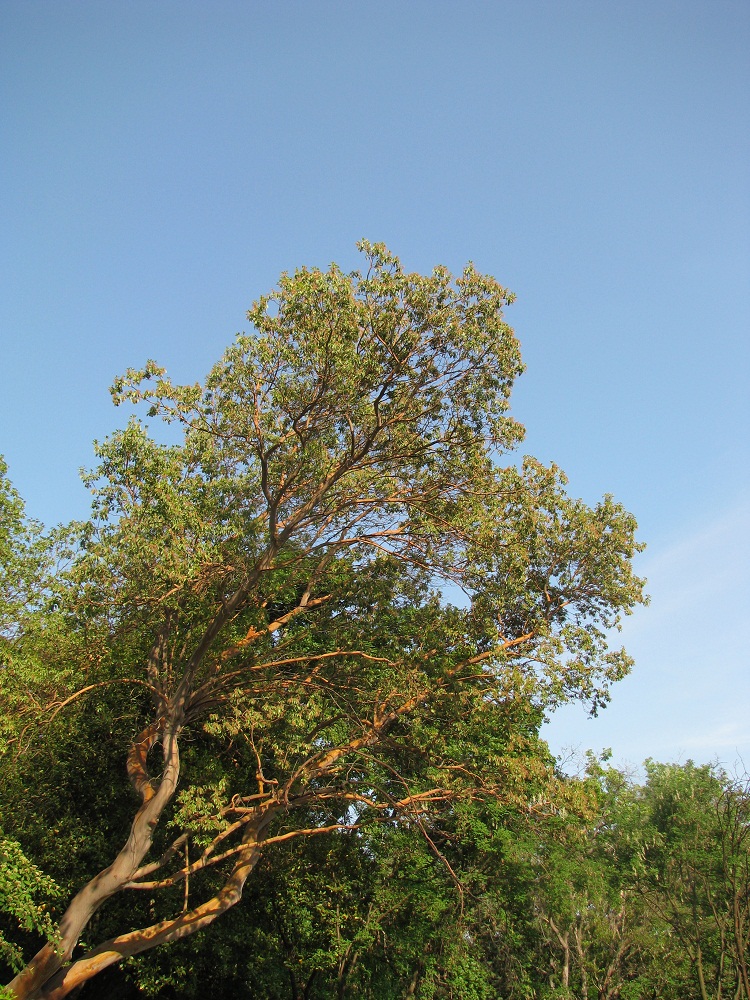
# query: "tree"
{"points": [[22, 566], [266, 592], [25, 565], [597, 937], [693, 869]]}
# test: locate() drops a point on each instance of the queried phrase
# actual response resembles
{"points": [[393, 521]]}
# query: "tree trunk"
{"points": [[578, 935], [564, 940], [30, 982], [127, 945]]}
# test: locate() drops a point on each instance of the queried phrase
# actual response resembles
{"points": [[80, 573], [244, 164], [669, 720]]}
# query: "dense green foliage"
{"points": [[240, 678]]}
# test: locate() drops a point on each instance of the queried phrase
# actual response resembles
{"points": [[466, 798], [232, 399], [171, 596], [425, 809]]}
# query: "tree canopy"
{"points": [[256, 621]]}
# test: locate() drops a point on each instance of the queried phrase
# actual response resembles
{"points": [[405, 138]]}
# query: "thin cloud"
{"points": [[689, 693]]}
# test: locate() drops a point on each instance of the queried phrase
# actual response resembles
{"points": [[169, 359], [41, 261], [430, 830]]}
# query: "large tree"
{"points": [[265, 591]]}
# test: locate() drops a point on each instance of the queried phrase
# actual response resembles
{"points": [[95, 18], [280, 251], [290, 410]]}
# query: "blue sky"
{"points": [[162, 163]]}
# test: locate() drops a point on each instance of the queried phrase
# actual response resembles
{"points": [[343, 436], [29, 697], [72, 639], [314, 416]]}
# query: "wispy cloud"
{"points": [[728, 735], [689, 694], [708, 563]]}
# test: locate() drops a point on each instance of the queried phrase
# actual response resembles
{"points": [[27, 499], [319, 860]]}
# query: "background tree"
{"points": [[24, 562], [24, 889], [265, 590], [694, 869]]}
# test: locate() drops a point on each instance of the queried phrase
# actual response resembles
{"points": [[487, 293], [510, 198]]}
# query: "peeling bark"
{"points": [[127, 945], [50, 959]]}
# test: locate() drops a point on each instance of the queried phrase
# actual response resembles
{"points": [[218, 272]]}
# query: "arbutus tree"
{"points": [[265, 592]]}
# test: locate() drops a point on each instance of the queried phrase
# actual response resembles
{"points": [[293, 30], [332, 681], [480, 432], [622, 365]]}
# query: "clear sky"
{"points": [[163, 162]]}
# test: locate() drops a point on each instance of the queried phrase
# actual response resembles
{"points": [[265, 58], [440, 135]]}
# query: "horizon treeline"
{"points": [[639, 890]]}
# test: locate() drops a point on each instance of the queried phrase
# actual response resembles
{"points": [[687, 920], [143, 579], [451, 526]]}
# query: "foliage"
{"points": [[23, 564], [694, 869], [22, 560], [21, 883]]}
